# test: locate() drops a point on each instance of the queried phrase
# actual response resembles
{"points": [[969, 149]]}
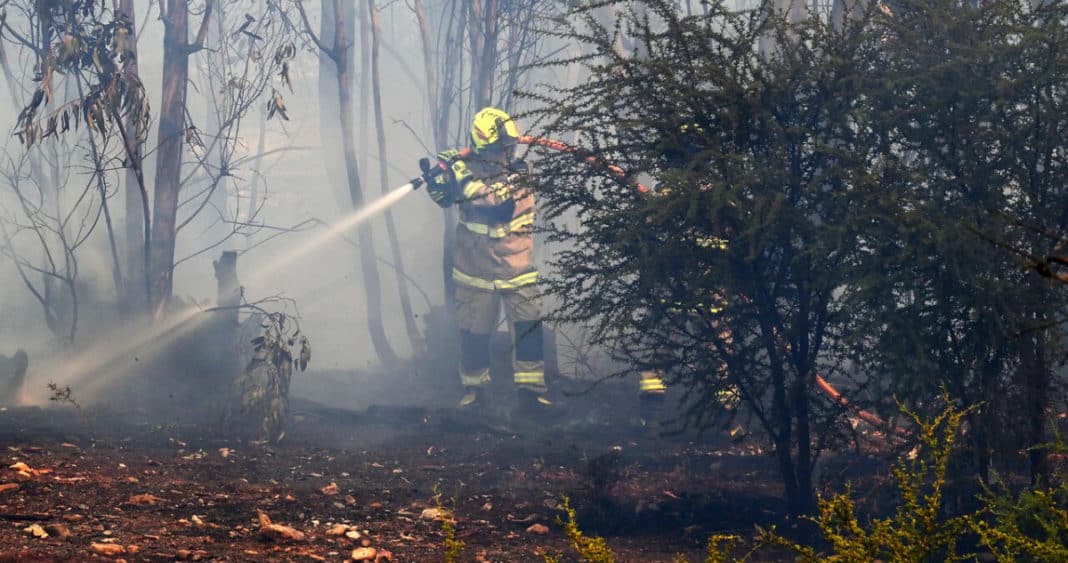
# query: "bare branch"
{"points": [[330, 52], [202, 33]]}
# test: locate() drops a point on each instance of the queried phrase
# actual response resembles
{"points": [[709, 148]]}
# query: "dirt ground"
{"points": [[104, 483]]}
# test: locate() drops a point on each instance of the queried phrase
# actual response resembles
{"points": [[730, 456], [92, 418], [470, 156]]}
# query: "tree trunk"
{"points": [[328, 108], [478, 41], [806, 500], [220, 195], [439, 118], [224, 332], [343, 51], [134, 220], [255, 184], [365, 87], [383, 174], [1034, 367], [784, 440], [169, 152], [488, 62], [429, 64]]}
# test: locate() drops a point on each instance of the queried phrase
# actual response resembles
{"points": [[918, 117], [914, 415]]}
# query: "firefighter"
{"points": [[492, 261], [680, 151]]}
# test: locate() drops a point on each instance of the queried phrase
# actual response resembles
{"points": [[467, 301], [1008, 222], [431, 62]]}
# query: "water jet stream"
{"points": [[123, 350], [335, 231]]}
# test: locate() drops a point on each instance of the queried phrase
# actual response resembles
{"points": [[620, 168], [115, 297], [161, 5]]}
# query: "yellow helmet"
{"points": [[485, 129]]}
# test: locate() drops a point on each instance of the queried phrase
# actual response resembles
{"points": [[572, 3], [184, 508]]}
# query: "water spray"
{"points": [[338, 230], [131, 346]]}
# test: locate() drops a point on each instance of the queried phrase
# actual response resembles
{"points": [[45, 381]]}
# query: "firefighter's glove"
{"points": [[438, 180], [517, 169]]}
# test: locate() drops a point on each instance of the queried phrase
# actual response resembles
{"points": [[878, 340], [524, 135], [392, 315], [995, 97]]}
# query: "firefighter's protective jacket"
{"points": [[494, 239]]}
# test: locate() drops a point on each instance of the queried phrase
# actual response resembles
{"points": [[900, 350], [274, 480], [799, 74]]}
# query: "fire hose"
{"points": [[430, 171]]}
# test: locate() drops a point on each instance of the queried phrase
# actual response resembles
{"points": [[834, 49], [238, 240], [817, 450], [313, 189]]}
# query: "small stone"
{"points": [[133, 548], [353, 534], [364, 554], [538, 529], [350, 500], [330, 490], [183, 554], [365, 542], [383, 555]]}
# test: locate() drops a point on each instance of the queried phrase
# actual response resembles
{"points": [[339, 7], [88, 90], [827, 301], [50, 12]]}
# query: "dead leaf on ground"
{"points": [[108, 549], [539, 529], [144, 500], [435, 514], [26, 472], [330, 490], [524, 520], [5, 487], [36, 530], [350, 500], [364, 554], [337, 530], [277, 531], [383, 555]]}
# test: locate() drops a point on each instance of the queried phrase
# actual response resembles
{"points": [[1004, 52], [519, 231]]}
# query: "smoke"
{"points": [[300, 246]]}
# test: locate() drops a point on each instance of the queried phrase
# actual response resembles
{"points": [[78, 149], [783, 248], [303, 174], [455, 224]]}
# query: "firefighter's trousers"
{"points": [[476, 314]]}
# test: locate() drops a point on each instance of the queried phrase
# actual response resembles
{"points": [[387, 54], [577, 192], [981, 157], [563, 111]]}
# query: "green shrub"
{"points": [[1031, 526], [919, 531], [591, 549]]}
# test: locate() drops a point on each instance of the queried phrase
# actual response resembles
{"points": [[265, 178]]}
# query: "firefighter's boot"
{"points": [[474, 399], [533, 406]]}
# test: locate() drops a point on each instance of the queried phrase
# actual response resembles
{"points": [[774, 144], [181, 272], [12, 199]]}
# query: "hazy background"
{"points": [[303, 178]]}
